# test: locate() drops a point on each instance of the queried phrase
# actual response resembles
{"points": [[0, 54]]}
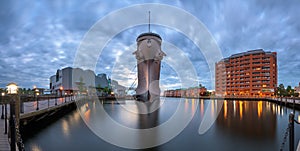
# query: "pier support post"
{"points": [[17, 109], [21, 106], [5, 118], [2, 114], [291, 124], [293, 104], [12, 126], [37, 103], [55, 100]]}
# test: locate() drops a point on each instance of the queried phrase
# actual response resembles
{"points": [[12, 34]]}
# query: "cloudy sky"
{"points": [[37, 38]]}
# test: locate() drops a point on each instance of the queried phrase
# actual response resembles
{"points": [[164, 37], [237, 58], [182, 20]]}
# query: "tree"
{"points": [[99, 89], [281, 90], [107, 90], [2, 90], [80, 85], [289, 91]]}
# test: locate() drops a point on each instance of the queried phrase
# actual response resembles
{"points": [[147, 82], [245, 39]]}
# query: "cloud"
{"points": [[38, 38]]}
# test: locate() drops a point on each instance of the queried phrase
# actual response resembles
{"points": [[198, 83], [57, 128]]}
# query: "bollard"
{"points": [[291, 124]]}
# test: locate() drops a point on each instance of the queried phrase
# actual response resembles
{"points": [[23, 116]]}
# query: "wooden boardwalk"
{"points": [[4, 145], [30, 110]]}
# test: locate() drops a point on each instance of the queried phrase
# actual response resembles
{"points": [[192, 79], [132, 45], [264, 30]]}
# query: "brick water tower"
{"points": [[149, 56]]}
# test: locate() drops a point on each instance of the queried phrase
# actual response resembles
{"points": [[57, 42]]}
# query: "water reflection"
{"points": [[241, 125], [35, 147], [225, 110], [202, 107], [241, 109], [65, 128], [255, 119], [259, 108]]}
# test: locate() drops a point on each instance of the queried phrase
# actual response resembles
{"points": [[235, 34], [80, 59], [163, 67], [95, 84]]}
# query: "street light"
{"points": [[61, 89], [65, 97], [12, 89], [36, 93]]}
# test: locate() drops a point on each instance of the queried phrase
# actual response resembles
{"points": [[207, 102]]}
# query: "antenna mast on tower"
{"points": [[149, 23]]}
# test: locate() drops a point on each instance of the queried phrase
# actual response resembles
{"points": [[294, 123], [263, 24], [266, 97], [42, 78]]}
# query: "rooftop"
{"points": [[148, 34], [256, 51]]}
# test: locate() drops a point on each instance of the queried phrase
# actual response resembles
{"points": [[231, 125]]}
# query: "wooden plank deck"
{"points": [[4, 145]]}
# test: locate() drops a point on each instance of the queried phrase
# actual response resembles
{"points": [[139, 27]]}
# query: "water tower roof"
{"points": [[148, 34]]}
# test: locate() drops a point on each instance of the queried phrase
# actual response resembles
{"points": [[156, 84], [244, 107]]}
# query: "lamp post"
{"points": [[65, 97], [12, 90], [36, 94], [61, 91]]}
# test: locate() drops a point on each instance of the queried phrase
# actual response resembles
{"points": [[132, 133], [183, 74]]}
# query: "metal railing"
{"points": [[290, 132]]}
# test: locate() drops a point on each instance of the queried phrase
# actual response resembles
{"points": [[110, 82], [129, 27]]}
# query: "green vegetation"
{"points": [[286, 92]]}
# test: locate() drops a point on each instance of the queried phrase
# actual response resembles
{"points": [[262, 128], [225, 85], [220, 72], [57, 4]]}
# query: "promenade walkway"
{"points": [[44, 104], [29, 108], [4, 145]]}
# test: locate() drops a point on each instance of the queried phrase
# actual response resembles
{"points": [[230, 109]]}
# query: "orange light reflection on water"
{"points": [[65, 128], [186, 105], [193, 105], [202, 107], [241, 109], [225, 109], [234, 108], [259, 109], [212, 108], [87, 113]]}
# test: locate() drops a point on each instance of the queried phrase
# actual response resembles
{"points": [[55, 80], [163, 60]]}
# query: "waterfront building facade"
{"points": [[190, 92], [69, 81], [297, 90], [251, 73]]}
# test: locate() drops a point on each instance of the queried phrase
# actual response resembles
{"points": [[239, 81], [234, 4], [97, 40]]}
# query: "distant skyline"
{"points": [[37, 38]]}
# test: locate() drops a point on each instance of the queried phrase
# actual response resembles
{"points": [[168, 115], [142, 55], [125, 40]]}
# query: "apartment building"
{"points": [[251, 73]]}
